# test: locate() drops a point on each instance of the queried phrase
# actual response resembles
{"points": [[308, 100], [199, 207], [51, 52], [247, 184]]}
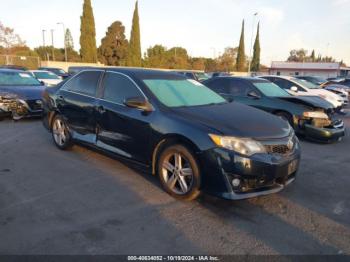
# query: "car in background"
{"points": [[15, 67], [308, 116], [48, 78], [73, 70], [316, 80], [20, 94], [218, 74], [336, 89], [340, 81], [58, 71], [195, 75], [178, 129], [298, 87]]}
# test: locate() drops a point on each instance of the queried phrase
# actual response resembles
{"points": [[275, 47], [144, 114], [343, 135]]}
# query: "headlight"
{"points": [[315, 115], [244, 146]]}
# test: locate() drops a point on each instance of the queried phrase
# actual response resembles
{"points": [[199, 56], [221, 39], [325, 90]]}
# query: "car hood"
{"points": [[24, 92], [234, 119], [311, 101]]}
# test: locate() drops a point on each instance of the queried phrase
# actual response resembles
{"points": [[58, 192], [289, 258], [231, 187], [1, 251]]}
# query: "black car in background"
{"points": [[195, 75], [316, 80], [176, 128], [20, 94], [58, 71], [309, 116]]}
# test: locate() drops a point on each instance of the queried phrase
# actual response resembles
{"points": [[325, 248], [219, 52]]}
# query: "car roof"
{"points": [[282, 77], [245, 78], [39, 71], [11, 70], [138, 72]]}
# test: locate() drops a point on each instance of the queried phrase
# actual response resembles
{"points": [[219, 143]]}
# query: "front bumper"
{"points": [[260, 174], [326, 134]]}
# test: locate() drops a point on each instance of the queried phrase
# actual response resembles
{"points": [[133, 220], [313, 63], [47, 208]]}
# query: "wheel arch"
{"points": [[171, 139]]}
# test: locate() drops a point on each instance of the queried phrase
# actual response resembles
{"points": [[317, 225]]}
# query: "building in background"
{"points": [[325, 70]]}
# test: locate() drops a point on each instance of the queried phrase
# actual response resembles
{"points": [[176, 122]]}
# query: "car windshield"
{"points": [[17, 79], [271, 89], [306, 84], [45, 75], [182, 92], [202, 76]]}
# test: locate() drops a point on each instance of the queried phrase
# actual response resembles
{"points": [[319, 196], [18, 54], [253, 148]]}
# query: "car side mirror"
{"points": [[294, 89], [254, 95], [139, 103]]}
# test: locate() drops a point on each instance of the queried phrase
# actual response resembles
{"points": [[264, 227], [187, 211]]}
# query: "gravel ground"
{"points": [[82, 202]]}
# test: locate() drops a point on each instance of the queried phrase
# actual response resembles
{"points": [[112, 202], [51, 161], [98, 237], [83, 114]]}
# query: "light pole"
{"points": [[214, 52], [64, 40], [53, 48], [251, 44], [44, 45]]}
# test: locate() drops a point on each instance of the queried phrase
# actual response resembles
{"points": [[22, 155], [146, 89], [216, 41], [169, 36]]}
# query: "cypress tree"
{"points": [[241, 60], [88, 50], [255, 66], [68, 39], [134, 51], [313, 56]]}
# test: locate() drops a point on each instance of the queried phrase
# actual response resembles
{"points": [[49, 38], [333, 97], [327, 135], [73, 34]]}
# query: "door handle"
{"points": [[100, 109]]}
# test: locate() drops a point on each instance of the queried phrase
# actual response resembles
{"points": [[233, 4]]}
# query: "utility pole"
{"points": [[64, 40], [53, 47], [44, 45], [251, 44]]}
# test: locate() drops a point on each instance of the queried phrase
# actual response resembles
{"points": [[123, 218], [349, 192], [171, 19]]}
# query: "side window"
{"points": [[239, 88], [85, 83], [283, 83], [220, 85], [117, 88], [190, 76]]}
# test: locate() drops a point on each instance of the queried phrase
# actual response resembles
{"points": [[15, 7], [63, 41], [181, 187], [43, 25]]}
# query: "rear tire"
{"points": [[179, 172], [60, 133]]}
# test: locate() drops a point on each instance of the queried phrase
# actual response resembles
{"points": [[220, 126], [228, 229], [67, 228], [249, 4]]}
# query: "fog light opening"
{"points": [[236, 182]]}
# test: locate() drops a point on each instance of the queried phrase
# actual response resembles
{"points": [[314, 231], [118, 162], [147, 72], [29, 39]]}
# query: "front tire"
{"points": [[179, 173], [60, 133]]}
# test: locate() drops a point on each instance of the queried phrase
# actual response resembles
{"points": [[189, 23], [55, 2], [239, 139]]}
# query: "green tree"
{"points": [[156, 57], [255, 65], [298, 55], [313, 57], [178, 58], [134, 51], [88, 50], [68, 39], [241, 59], [114, 46], [227, 61]]}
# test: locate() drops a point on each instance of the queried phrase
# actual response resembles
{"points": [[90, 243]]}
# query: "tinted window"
{"points": [[240, 88], [117, 88], [85, 83], [190, 75], [221, 85], [283, 83]]}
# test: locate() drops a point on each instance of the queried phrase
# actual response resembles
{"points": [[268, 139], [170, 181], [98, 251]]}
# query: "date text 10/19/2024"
{"points": [[173, 258]]}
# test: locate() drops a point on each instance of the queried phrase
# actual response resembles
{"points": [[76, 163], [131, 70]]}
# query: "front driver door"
{"points": [[76, 102], [121, 129]]}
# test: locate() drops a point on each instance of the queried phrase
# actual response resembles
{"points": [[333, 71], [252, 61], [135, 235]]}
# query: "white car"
{"points": [[298, 87], [47, 77]]}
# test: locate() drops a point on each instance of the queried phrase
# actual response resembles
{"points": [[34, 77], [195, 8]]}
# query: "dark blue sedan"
{"points": [[20, 94]]}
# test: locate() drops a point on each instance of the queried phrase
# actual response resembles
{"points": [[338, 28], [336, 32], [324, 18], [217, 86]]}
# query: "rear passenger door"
{"points": [[121, 129], [240, 89], [76, 101]]}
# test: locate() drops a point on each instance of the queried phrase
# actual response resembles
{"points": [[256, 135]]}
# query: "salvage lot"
{"points": [[82, 202]]}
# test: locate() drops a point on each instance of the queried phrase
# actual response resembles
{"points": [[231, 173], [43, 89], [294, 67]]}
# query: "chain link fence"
{"points": [[29, 62]]}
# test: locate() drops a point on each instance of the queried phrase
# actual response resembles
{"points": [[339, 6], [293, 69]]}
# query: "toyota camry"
{"points": [[177, 129]]}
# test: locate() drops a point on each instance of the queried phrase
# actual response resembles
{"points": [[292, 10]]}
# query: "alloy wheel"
{"points": [[59, 131], [177, 173]]}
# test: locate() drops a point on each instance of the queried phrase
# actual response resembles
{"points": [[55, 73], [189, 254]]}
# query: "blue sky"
{"points": [[204, 27]]}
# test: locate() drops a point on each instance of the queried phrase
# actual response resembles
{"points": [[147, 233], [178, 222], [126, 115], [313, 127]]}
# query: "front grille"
{"points": [[277, 149], [34, 105], [281, 147]]}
